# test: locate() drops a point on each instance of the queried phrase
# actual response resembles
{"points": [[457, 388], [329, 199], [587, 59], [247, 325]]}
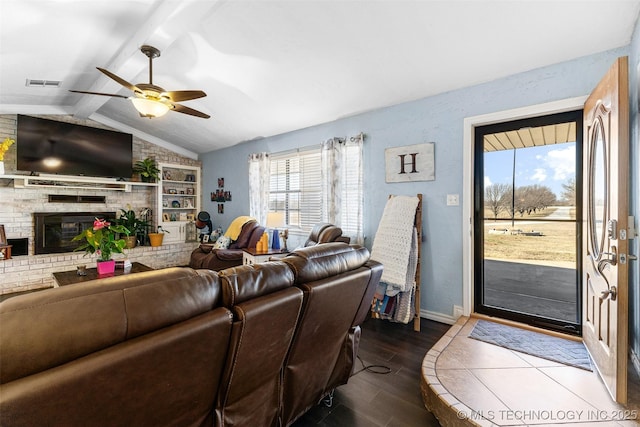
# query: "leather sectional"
{"points": [[248, 346], [205, 256]]}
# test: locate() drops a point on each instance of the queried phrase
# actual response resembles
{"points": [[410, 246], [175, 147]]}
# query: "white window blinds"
{"points": [[296, 188]]}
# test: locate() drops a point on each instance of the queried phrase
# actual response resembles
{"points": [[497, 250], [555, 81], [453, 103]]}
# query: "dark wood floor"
{"points": [[393, 399]]}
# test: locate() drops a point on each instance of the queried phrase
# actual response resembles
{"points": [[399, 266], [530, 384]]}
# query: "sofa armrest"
{"points": [[229, 254], [206, 247]]}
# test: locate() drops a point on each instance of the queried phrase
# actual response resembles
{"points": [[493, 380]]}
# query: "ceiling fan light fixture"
{"points": [[150, 107], [151, 100]]}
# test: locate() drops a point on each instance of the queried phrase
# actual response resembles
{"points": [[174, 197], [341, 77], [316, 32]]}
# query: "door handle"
{"points": [[612, 258], [609, 293]]}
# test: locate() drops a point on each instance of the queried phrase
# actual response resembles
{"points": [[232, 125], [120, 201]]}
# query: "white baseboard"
{"points": [[438, 317]]}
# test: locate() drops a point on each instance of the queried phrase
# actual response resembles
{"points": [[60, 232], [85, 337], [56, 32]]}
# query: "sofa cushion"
{"points": [[169, 377], [229, 254], [255, 237], [249, 281], [100, 313], [223, 242], [329, 234], [244, 236], [321, 261], [325, 233]]}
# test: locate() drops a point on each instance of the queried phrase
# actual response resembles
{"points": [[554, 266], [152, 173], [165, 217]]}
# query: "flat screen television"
{"points": [[49, 146]]}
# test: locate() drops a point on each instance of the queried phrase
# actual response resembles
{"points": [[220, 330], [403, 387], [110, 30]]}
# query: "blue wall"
{"points": [[436, 119]]}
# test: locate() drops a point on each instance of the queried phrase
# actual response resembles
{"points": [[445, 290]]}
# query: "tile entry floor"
{"points": [[469, 382]]}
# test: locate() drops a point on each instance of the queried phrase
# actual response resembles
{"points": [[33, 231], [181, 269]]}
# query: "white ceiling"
{"points": [[270, 67]]}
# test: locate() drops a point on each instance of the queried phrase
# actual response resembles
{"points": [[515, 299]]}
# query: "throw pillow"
{"points": [[223, 242]]}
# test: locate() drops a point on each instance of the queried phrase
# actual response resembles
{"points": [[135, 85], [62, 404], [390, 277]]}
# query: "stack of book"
{"points": [[123, 264]]}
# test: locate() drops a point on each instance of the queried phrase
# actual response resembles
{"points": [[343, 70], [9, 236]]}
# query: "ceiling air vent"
{"points": [[43, 83]]}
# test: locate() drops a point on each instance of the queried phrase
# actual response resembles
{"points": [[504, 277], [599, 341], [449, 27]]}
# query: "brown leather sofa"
{"points": [[205, 256], [248, 346]]}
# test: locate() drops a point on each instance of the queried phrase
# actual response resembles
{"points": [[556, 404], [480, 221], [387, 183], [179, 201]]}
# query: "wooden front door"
{"points": [[605, 263]]}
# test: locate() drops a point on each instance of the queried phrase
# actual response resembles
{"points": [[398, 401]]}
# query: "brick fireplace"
{"points": [[54, 231], [17, 206]]}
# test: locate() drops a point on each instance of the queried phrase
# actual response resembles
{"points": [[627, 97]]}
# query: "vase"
{"points": [[131, 241], [155, 239], [106, 267], [1, 167]]}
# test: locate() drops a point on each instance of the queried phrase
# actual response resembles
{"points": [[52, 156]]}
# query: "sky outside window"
{"points": [[548, 165]]}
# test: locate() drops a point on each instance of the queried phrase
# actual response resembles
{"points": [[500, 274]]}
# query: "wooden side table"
{"points": [[70, 277], [250, 256]]}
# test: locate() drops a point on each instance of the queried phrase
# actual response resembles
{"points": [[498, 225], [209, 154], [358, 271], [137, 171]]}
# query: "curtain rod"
{"points": [[342, 140], [361, 136], [294, 150]]}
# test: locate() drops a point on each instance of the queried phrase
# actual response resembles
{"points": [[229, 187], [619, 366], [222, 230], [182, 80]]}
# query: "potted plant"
{"points": [[101, 240], [155, 239], [133, 224], [147, 169]]}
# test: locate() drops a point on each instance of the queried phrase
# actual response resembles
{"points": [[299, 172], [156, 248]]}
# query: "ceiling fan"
{"points": [[151, 100]]}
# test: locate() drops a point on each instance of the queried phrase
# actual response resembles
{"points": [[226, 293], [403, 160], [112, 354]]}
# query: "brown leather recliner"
{"points": [[218, 259], [325, 233], [266, 309], [336, 279]]}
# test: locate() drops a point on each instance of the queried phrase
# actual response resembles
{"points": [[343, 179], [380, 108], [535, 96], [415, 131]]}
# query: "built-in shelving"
{"points": [[178, 200]]}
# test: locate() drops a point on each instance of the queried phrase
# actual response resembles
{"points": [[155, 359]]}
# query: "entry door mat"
{"points": [[568, 352]]}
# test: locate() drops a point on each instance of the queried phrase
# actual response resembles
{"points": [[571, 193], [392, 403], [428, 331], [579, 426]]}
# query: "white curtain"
{"points": [[331, 166], [342, 185], [259, 176]]}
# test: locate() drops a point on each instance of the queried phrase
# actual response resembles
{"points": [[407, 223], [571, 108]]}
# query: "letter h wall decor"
{"points": [[410, 163]]}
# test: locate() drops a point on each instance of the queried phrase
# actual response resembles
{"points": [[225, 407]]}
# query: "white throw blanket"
{"points": [[395, 244]]}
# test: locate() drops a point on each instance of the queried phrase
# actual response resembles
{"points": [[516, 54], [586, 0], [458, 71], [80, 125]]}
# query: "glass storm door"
{"points": [[527, 220]]}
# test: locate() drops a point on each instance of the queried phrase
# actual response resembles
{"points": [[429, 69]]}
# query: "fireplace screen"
{"points": [[55, 230]]}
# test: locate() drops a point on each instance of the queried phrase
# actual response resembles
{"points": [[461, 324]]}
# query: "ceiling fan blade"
{"points": [[186, 110], [184, 95], [120, 80], [99, 93]]}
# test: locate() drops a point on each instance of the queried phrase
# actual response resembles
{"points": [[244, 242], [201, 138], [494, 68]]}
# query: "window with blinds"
{"points": [[295, 188], [296, 185]]}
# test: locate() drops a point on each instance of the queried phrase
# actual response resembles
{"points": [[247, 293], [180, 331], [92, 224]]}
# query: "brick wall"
{"points": [[18, 204]]}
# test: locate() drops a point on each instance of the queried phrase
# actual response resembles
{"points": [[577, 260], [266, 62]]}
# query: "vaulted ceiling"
{"points": [[270, 67]]}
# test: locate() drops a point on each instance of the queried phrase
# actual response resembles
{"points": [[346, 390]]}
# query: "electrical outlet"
{"points": [[453, 199]]}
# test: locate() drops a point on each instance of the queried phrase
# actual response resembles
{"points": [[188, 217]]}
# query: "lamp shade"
{"points": [[149, 107], [275, 219]]}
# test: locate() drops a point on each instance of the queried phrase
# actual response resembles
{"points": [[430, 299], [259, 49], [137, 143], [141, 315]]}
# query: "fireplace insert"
{"points": [[55, 230]]}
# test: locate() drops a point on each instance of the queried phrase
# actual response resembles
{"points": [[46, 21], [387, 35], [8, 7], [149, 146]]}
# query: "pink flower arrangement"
{"points": [[101, 239]]}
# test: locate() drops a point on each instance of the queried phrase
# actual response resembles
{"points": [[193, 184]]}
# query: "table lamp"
{"points": [[275, 220]]}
